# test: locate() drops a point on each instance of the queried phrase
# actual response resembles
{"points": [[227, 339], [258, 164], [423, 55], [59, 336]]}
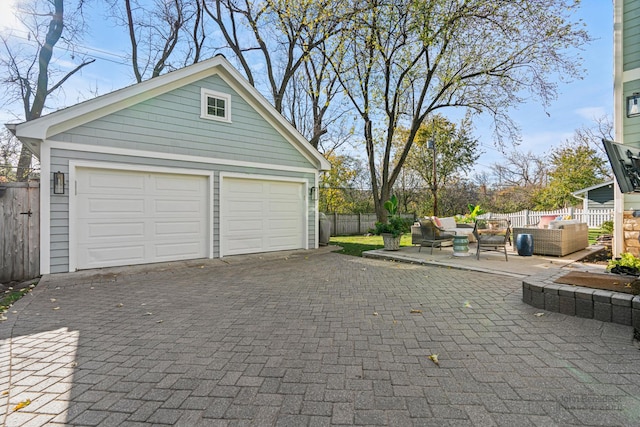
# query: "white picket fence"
{"points": [[593, 217]]}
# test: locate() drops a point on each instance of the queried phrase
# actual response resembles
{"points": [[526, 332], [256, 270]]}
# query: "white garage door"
{"points": [[261, 216], [131, 217]]}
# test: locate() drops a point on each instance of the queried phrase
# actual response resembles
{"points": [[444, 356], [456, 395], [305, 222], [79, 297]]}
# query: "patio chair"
{"points": [[432, 235], [492, 235]]}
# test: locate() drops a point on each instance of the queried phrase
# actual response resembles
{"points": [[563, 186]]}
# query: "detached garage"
{"points": [[192, 164]]}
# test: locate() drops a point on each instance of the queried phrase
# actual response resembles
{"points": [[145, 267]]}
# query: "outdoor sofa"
{"points": [[560, 239]]}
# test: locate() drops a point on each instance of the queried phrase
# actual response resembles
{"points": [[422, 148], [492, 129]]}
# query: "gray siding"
{"points": [[631, 126], [171, 123], [631, 37], [60, 203]]}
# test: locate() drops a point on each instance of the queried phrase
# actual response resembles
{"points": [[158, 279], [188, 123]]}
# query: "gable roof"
{"points": [[34, 132], [593, 187]]}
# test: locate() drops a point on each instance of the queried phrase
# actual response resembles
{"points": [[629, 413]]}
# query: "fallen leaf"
{"points": [[22, 405], [2, 318], [148, 313], [375, 313], [434, 359], [160, 321], [56, 308], [120, 305], [467, 304], [539, 314], [415, 311], [53, 300], [74, 364], [4, 393]]}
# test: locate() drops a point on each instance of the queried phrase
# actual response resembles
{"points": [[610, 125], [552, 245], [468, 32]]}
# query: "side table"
{"points": [[460, 245]]}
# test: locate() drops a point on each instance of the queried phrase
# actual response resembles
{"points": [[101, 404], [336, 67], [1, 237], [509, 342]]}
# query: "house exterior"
{"points": [[598, 196], [192, 164], [627, 129]]}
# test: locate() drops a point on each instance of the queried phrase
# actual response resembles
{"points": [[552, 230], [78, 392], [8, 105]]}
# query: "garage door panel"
{"points": [[106, 256], [188, 207], [178, 185], [250, 225], [123, 182], [239, 244], [105, 230], [261, 215], [183, 228], [135, 217], [184, 250], [108, 207]]}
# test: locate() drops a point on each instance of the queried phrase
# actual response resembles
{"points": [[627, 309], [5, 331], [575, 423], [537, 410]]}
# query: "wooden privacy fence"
{"points": [[19, 230], [353, 224]]}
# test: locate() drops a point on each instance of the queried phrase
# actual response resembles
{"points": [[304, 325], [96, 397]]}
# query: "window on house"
{"points": [[215, 106]]}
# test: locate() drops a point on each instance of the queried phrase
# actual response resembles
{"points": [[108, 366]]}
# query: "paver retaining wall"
{"points": [[542, 292]]}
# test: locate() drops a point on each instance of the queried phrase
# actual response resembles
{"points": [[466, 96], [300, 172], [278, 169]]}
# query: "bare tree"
{"points": [[282, 34], [164, 35], [518, 169], [27, 63], [406, 59]]}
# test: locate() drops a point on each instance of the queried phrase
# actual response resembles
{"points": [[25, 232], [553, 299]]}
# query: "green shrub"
{"points": [[626, 260], [607, 227]]}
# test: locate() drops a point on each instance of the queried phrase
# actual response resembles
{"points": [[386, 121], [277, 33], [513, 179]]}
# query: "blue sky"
{"points": [[577, 105]]}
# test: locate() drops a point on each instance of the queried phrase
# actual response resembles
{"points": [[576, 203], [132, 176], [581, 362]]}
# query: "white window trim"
{"points": [[207, 93]]}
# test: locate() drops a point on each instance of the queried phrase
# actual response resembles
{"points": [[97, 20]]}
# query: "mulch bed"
{"points": [[609, 282]]}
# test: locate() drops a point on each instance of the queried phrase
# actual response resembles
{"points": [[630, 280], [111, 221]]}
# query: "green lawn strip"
{"points": [[355, 245], [594, 233], [11, 296]]}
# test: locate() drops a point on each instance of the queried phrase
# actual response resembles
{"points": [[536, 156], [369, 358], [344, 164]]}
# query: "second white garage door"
{"points": [[261, 216], [130, 217]]}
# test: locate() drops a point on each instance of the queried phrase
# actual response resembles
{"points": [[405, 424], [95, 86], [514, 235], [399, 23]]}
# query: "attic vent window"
{"points": [[215, 106]]}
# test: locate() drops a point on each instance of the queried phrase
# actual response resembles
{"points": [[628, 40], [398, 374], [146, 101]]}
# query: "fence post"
{"points": [[360, 223], [335, 223]]}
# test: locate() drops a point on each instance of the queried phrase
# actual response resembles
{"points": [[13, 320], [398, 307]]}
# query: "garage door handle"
{"points": [[27, 213]]}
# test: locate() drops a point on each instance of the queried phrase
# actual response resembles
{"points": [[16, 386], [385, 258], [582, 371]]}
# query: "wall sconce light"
{"points": [[58, 182], [313, 193], [633, 109]]}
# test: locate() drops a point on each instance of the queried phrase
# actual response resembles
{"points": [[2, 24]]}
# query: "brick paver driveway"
{"points": [[314, 339]]}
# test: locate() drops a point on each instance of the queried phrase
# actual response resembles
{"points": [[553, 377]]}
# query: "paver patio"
{"points": [[310, 339]]}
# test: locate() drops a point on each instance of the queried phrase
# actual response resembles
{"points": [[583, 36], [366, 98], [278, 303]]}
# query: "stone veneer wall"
{"points": [[631, 231]]}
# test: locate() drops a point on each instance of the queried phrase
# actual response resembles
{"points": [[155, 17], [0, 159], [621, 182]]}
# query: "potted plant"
{"points": [[392, 230]]}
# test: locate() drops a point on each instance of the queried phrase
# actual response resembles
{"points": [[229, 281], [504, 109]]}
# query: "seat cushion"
{"points": [[498, 240]]}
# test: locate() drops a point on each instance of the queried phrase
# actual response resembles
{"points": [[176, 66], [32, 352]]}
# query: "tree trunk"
{"points": [[42, 90]]}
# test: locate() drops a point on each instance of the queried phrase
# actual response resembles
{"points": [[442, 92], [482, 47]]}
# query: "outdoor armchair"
{"points": [[432, 235], [492, 235]]}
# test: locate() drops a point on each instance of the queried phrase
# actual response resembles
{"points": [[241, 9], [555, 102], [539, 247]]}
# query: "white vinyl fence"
{"points": [[593, 217]]}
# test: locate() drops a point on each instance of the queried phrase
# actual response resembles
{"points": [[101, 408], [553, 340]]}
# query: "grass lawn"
{"points": [[355, 245], [594, 233]]}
